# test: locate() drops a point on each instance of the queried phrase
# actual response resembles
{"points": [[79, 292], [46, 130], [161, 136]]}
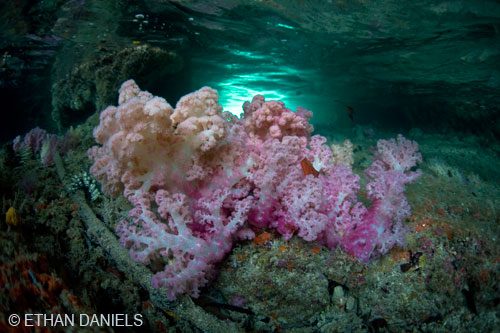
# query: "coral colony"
{"points": [[39, 142], [200, 179]]}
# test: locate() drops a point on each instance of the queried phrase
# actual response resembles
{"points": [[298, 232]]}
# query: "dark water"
{"points": [[397, 64]]}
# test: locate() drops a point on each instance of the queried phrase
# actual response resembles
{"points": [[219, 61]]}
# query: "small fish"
{"points": [[136, 42], [171, 314], [307, 168], [350, 111]]}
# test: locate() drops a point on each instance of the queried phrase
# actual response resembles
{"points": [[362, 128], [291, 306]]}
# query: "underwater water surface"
{"points": [[240, 165]]}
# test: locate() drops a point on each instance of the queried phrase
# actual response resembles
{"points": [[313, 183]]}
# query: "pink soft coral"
{"points": [[137, 139], [178, 168], [200, 178], [193, 242], [144, 135], [272, 120], [272, 163], [320, 155], [198, 117], [326, 208], [382, 226]]}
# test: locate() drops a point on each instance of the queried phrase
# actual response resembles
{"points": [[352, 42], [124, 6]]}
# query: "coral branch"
{"points": [[199, 179]]}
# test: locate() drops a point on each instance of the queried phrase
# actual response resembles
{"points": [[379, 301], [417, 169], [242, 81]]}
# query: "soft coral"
{"points": [[382, 225], [196, 175]]}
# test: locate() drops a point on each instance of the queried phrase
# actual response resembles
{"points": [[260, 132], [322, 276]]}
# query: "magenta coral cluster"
{"points": [[39, 142], [200, 179]]}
